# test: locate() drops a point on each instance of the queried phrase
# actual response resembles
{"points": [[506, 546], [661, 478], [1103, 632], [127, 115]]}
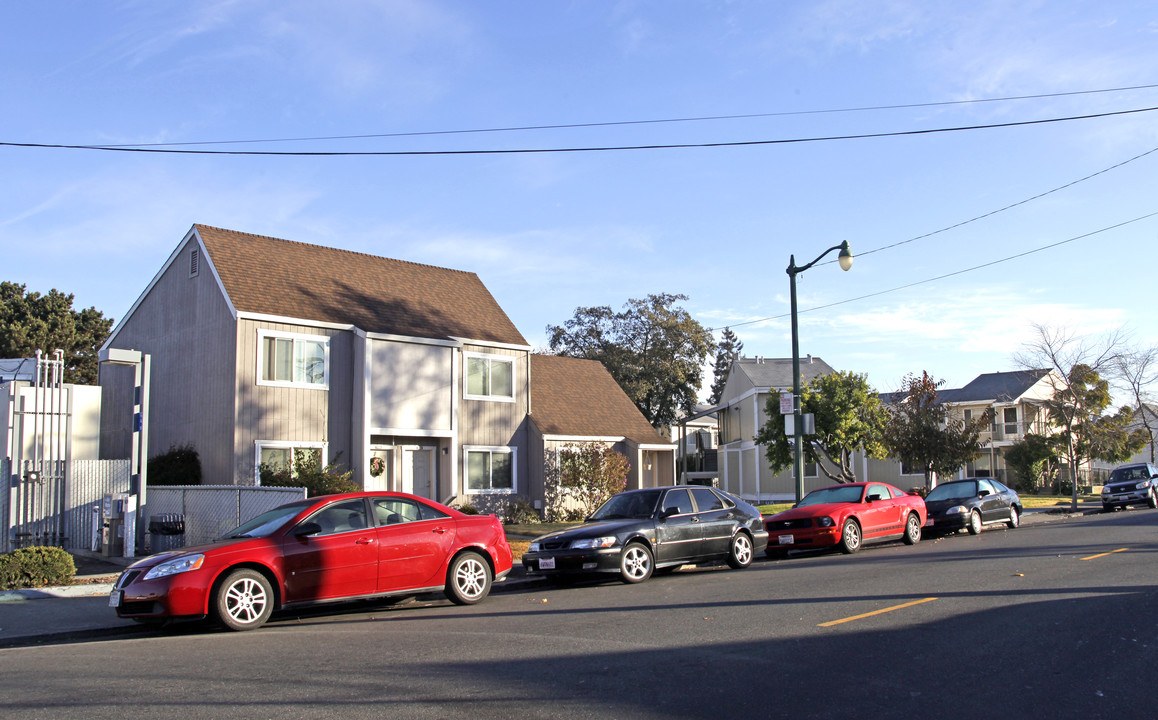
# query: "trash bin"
{"points": [[166, 532]]}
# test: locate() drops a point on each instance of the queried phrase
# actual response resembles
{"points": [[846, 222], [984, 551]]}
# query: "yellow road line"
{"points": [[1094, 557], [876, 612]]}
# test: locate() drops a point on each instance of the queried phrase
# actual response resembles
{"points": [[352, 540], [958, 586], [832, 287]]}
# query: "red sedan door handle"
{"points": [[439, 530], [363, 541]]}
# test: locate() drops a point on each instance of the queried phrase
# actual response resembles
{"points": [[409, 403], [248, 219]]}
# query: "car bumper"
{"points": [[799, 539], [1135, 497], [566, 562], [173, 596], [956, 521]]}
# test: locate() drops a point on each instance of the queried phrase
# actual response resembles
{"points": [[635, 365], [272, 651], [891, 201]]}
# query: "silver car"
{"points": [[1131, 485]]}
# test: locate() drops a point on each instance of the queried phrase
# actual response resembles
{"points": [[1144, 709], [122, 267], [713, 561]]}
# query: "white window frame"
{"points": [[289, 445], [490, 358], [492, 450], [263, 334]]}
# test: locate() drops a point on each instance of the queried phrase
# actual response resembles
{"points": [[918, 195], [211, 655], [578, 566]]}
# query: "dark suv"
{"points": [[1131, 485]]}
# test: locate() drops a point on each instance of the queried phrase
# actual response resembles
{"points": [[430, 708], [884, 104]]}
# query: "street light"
{"points": [[845, 260]]}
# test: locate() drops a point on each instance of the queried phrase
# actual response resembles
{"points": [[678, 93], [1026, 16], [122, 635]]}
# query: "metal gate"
{"points": [[39, 432]]}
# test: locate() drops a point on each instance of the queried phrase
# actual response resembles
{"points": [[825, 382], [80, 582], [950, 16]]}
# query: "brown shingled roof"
{"points": [[279, 277], [572, 396]]}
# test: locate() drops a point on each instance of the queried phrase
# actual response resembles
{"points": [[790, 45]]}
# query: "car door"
{"points": [[338, 558], [716, 522], [992, 507], [414, 541], [881, 514], [677, 530]]}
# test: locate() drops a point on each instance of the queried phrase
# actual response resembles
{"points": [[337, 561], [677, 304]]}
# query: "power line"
{"points": [[621, 123], [1007, 207], [942, 277], [518, 151]]}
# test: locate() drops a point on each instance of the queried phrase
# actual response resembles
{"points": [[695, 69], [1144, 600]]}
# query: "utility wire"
{"points": [[518, 151], [620, 123], [1043, 248]]}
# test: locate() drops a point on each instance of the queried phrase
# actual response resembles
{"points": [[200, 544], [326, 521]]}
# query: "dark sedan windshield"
{"points": [[270, 520], [629, 505], [847, 494], [952, 491]]}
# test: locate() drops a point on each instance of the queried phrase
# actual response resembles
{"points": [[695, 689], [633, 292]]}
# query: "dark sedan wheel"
{"points": [[974, 523], [468, 580], [913, 529], [740, 554], [1014, 517], [850, 537], [635, 564], [244, 600]]}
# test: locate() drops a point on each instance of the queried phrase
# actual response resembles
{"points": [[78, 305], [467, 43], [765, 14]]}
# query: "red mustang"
{"points": [[336, 547], [846, 515]]}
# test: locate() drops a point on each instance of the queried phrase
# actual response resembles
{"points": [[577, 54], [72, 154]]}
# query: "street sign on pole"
{"points": [[786, 403]]}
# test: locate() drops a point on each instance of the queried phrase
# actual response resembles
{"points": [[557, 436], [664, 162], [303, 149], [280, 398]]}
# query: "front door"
{"points": [[678, 533], [418, 471]]}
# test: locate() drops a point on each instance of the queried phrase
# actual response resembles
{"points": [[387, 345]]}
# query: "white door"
{"points": [[381, 469], [418, 471]]}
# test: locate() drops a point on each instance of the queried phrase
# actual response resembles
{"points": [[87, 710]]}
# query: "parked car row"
{"points": [[850, 515]]}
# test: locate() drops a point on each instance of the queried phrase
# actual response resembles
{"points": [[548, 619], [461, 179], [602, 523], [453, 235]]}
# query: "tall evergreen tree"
{"points": [[727, 351], [31, 322]]}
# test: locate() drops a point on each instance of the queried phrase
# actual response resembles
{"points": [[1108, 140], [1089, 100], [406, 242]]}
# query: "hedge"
{"points": [[36, 567]]}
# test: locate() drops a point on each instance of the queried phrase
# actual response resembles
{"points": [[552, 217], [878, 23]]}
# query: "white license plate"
{"points": [[115, 598], [547, 563], [787, 539]]}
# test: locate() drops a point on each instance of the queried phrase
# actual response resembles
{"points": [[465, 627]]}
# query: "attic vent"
{"points": [[194, 261]]}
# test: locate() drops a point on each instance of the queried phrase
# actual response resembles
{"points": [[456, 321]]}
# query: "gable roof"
{"points": [[269, 276], [777, 372], [995, 387], [577, 397]]}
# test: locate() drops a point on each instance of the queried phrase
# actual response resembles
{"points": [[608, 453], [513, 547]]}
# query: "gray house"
{"points": [[266, 351]]}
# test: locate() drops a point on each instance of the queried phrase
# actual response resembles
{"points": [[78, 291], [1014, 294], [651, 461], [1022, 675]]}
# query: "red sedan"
{"points": [[336, 547], [848, 516]]}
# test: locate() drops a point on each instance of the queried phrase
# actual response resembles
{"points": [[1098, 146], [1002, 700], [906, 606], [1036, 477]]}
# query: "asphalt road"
{"points": [[1051, 620]]}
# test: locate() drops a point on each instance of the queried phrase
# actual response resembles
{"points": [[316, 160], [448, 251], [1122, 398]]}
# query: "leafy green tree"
{"points": [[1076, 409], [727, 352], [924, 433], [31, 322], [849, 418], [1032, 460], [654, 349], [181, 465], [308, 472], [587, 474]]}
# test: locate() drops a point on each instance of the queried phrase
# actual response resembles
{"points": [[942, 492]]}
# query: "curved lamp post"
{"points": [[845, 260]]}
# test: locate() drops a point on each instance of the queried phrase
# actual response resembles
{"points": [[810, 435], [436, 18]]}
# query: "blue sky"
{"points": [[549, 232]]}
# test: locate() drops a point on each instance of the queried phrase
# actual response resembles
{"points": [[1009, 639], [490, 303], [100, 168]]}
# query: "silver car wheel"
{"points": [[636, 564]]}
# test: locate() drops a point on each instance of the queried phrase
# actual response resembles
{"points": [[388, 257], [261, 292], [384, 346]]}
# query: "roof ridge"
{"points": [[331, 249]]}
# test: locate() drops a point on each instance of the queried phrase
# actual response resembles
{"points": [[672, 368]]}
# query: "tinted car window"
{"points": [[707, 500], [392, 511], [1000, 488], [629, 505], [679, 501], [846, 494], [952, 491], [877, 492], [984, 486], [340, 517]]}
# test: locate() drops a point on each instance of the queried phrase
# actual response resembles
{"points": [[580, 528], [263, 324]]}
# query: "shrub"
{"points": [[36, 567], [181, 465], [519, 512], [307, 473], [468, 509]]}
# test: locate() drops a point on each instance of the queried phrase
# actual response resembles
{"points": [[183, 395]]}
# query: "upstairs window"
{"points": [[293, 360], [490, 377]]}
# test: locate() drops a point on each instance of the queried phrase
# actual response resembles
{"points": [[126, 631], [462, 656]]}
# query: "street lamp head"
{"points": [[845, 257]]}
